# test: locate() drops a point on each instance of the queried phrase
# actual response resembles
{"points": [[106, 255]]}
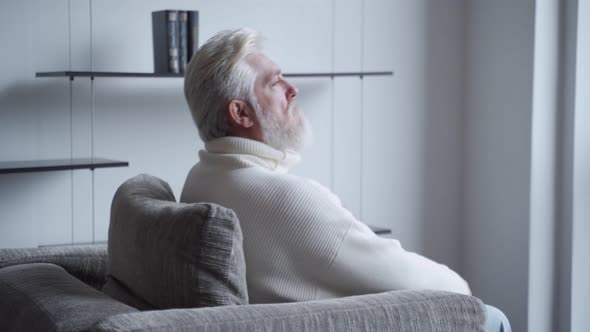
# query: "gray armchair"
{"points": [[161, 253], [73, 302]]}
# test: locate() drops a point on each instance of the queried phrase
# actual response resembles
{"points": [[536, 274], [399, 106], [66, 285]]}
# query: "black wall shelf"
{"points": [[380, 230], [58, 165], [93, 74]]}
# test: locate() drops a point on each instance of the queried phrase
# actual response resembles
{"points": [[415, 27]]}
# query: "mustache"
{"points": [[291, 106]]}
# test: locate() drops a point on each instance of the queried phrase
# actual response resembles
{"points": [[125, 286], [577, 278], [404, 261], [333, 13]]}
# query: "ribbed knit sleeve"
{"points": [[366, 263]]}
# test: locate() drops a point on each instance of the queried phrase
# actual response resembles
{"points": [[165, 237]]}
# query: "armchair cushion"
{"points": [[85, 262], [173, 255], [44, 297]]}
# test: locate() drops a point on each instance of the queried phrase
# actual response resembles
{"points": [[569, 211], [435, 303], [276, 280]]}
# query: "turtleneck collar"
{"points": [[266, 155]]}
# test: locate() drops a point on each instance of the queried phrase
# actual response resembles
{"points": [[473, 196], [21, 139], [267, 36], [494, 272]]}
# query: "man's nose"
{"points": [[292, 90]]}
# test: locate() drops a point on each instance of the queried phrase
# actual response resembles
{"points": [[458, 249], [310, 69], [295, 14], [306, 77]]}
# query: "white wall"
{"points": [[390, 146], [498, 108]]}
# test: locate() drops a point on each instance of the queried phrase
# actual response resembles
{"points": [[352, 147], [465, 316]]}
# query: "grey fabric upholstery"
{"points": [[44, 297], [119, 292], [174, 255], [87, 263], [404, 311], [392, 311]]}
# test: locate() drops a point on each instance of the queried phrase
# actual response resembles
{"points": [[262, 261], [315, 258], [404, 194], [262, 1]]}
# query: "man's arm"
{"points": [[342, 256], [366, 263]]}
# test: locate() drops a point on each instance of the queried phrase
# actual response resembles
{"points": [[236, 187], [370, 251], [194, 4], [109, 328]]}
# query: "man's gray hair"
{"points": [[217, 74]]}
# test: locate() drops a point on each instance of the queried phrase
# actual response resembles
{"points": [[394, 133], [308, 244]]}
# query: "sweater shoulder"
{"points": [[298, 188]]}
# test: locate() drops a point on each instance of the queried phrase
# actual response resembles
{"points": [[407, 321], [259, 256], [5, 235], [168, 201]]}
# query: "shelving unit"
{"points": [[92, 163], [69, 164], [65, 164], [93, 74], [58, 165]]}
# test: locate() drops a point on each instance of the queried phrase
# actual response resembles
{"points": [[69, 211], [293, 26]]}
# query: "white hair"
{"points": [[217, 74]]}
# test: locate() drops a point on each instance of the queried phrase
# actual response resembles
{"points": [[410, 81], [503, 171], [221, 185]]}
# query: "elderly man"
{"points": [[300, 243]]}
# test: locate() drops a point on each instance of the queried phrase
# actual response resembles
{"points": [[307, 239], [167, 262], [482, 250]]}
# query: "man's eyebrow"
{"points": [[273, 74]]}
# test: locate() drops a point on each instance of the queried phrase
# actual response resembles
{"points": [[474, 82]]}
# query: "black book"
{"points": [[182, 40], [165, 31], [193, 32]]}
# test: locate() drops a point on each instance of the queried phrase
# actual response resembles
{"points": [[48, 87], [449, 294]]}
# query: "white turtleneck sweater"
{"points": [[300, 243]]}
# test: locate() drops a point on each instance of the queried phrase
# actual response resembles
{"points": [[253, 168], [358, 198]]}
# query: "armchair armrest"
{"points": [[389, 311], [87, 263]]}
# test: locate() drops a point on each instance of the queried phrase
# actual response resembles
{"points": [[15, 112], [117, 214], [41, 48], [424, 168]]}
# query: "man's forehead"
{"points": [[262, 63]]}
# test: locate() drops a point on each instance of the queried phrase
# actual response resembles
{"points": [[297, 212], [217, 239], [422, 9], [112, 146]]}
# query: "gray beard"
{"points": [[293, 138]]}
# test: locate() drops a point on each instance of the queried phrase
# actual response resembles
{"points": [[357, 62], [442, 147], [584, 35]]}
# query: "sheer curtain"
{"points": [[573, 223], [559, 257], [580, 282]]}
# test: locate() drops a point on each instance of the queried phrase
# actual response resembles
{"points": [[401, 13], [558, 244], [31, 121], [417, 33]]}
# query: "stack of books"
{"points": [[176, 39]]}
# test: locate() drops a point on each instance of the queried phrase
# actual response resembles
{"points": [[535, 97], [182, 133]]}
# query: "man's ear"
{"points": [[240, 114]]}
